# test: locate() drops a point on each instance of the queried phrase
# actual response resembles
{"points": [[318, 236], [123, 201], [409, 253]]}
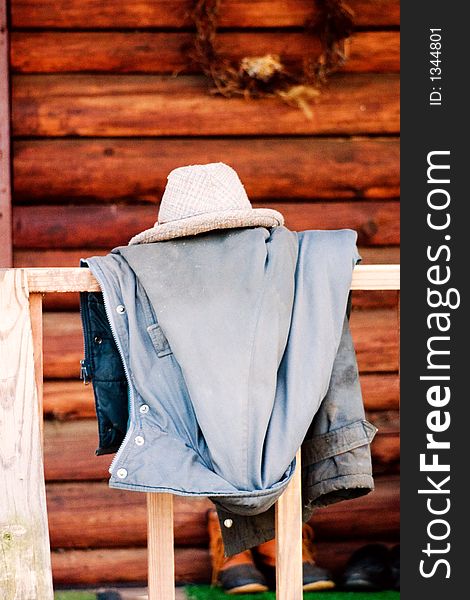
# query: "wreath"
{"points": [[267, 76]]}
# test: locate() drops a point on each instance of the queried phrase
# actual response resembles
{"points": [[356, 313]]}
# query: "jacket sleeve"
{"points": [[336, 456], [336, 459]]}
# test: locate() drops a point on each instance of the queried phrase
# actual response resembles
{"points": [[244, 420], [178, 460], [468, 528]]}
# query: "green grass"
{"points": [[74, 596], [205, 592]]}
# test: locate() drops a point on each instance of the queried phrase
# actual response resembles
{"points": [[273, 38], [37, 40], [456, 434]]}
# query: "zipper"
{"points": [[85, 364], [126, 372], [84, 372]]}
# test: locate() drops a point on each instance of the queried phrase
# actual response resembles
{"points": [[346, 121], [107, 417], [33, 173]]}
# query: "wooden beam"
{"points": [[73, 279], [64, 226], [6, 256], [155, 105], [112, 565], [175, 13], [100, 566], [167, 52], [136, 169]]}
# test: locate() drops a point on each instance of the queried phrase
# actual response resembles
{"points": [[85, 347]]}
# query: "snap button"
{"points": [[97, 339], [120, 309], [139, 440], [121, 473], [144, 409], [228, 523]]}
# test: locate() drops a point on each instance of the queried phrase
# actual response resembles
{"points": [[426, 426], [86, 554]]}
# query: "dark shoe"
{"points": [[395, 567], [314, 577], [368, 569], [242, 578], [235, 574]]}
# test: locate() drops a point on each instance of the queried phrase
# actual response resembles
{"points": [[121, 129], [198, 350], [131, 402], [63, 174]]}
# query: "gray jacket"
{"points": [[237, 351]]}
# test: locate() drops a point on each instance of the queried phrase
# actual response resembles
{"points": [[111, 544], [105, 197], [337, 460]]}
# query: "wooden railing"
{"points": [[159, 505]]}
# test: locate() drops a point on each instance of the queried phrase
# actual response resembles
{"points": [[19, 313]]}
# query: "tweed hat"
{"points": [[200, 198]]}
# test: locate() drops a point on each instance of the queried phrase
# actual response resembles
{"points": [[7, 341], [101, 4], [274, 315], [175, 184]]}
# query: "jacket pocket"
{"points": [[338, 441], [159, 340]]}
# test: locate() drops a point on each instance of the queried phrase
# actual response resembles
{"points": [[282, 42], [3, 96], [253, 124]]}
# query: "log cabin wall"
{"points": [[98, 121]]}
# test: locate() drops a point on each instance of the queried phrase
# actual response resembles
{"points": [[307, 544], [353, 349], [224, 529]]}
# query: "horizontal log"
{"points": [[374, 332], [92, 515], [386, 453], [334, 555], [380, 256], [270, 168], [375, 335], [192, 565], [174, 13], [373, 52], [64, 399], [153, 105], [119, 565], [54, 258], [163, 52], [363, 299], [69, 449], [376, 515], [380, 391], [387, 421], [61, 227]]}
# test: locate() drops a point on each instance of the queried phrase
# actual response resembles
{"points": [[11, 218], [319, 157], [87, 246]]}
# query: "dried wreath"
{"points": [[267, 76]]}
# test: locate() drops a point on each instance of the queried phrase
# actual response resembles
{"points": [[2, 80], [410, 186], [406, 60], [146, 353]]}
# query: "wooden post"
{"points": [[25, 567], [289, 539], [160, 543], [5, 177], [35, 310]]}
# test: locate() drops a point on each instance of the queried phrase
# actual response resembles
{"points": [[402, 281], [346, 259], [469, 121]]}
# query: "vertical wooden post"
{"points": [[289, 539], [25, 562], [6, 259], [35, 310], [160, 543]]}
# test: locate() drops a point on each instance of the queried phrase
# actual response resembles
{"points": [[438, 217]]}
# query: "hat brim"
{"points": [[226, 219]]}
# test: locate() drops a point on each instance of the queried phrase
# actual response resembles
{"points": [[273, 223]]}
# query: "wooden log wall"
{"points": [[98, 120], [6, 258]]}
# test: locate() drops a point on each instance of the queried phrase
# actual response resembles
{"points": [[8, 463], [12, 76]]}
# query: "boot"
{"points": [[314, 577], [368, 568], [235, 574]]}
